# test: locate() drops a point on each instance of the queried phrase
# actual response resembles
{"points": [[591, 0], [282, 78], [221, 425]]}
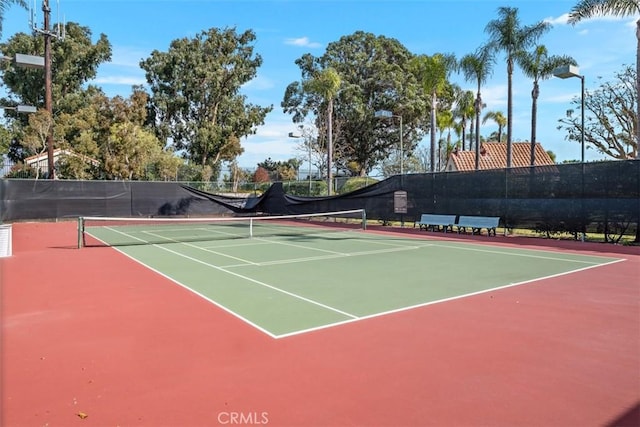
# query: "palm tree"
{"points": [[4, 5], [538, 65], [497, 117], [478, 66], [464, 110], [326, 84], [432, 72], [445, 122], [506, 34], [588, 8]]}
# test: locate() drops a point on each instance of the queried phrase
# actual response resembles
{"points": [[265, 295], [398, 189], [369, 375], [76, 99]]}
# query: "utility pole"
{"points": [[48, 81], [48, 101]]}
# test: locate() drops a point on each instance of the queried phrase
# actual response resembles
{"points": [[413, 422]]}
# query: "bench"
{"points": [[477, 223], [434, 222]]}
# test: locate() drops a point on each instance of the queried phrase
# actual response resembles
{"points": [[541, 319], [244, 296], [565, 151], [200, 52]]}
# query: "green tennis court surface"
{"points": [[287, 284]]}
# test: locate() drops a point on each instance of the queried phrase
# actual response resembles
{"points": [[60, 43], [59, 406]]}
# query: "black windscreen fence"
{"points": [[570, 197]]}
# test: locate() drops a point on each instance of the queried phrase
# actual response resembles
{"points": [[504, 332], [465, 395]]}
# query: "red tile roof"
{"points": [[493, 155]]}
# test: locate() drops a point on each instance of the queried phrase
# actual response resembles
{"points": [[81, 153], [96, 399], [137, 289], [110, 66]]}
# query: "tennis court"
{"points": [[285, 277], [317, 324]]}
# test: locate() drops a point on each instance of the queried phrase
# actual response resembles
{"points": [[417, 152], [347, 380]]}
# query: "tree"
{"points": [[113, 132], [506, 34], [445, 122], [610, 123], [5, 141], [499, 118], [40, 123], [326, 83], [4, 5], [431, 73], [281, 170], [195, 94], [261, 175], [75, 62], [478, 66], [538, 65], [585, 9], [464, 110], [374, 76]]}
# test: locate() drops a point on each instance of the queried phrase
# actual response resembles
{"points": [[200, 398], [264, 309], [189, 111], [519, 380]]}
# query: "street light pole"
{"points": [[48, 101], [566, 72]]}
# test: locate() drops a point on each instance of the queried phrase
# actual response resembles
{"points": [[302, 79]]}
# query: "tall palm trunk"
{"points": [[434, 105], [330, 148], [463, 128], [509, 108], [534, 112], [471, 131], [478, 108]]}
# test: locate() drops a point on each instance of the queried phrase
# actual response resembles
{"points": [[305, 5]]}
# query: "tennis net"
{"points": [[119, 231]]}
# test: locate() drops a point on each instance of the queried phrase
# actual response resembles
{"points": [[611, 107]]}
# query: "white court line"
{"points": [[335, 252], [354, 318], [246, 261], [331, 256], [413, 307], [291, 294], [511, 251]]}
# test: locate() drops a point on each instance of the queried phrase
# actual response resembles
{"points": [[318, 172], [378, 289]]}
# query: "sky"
{"points": [[287, 29]]}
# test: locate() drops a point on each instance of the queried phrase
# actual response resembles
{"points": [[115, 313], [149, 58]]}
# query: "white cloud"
{"points": [[564, 19], [120, 80], [125, 56], [302, 42], [260, 82], [271, 140], [560, 20]]}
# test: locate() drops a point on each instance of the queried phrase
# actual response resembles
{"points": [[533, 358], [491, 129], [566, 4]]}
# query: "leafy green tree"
{"points": [[585, 9], [609, 118], [478, 66], [165, 166], [195, 94], [506, 34], [374, 76], [538, 65], [112, 131], [75, 61], [6, 136]]}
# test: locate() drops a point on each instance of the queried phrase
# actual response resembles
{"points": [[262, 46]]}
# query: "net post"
{"points": [[364, 219], [80, 232]]}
